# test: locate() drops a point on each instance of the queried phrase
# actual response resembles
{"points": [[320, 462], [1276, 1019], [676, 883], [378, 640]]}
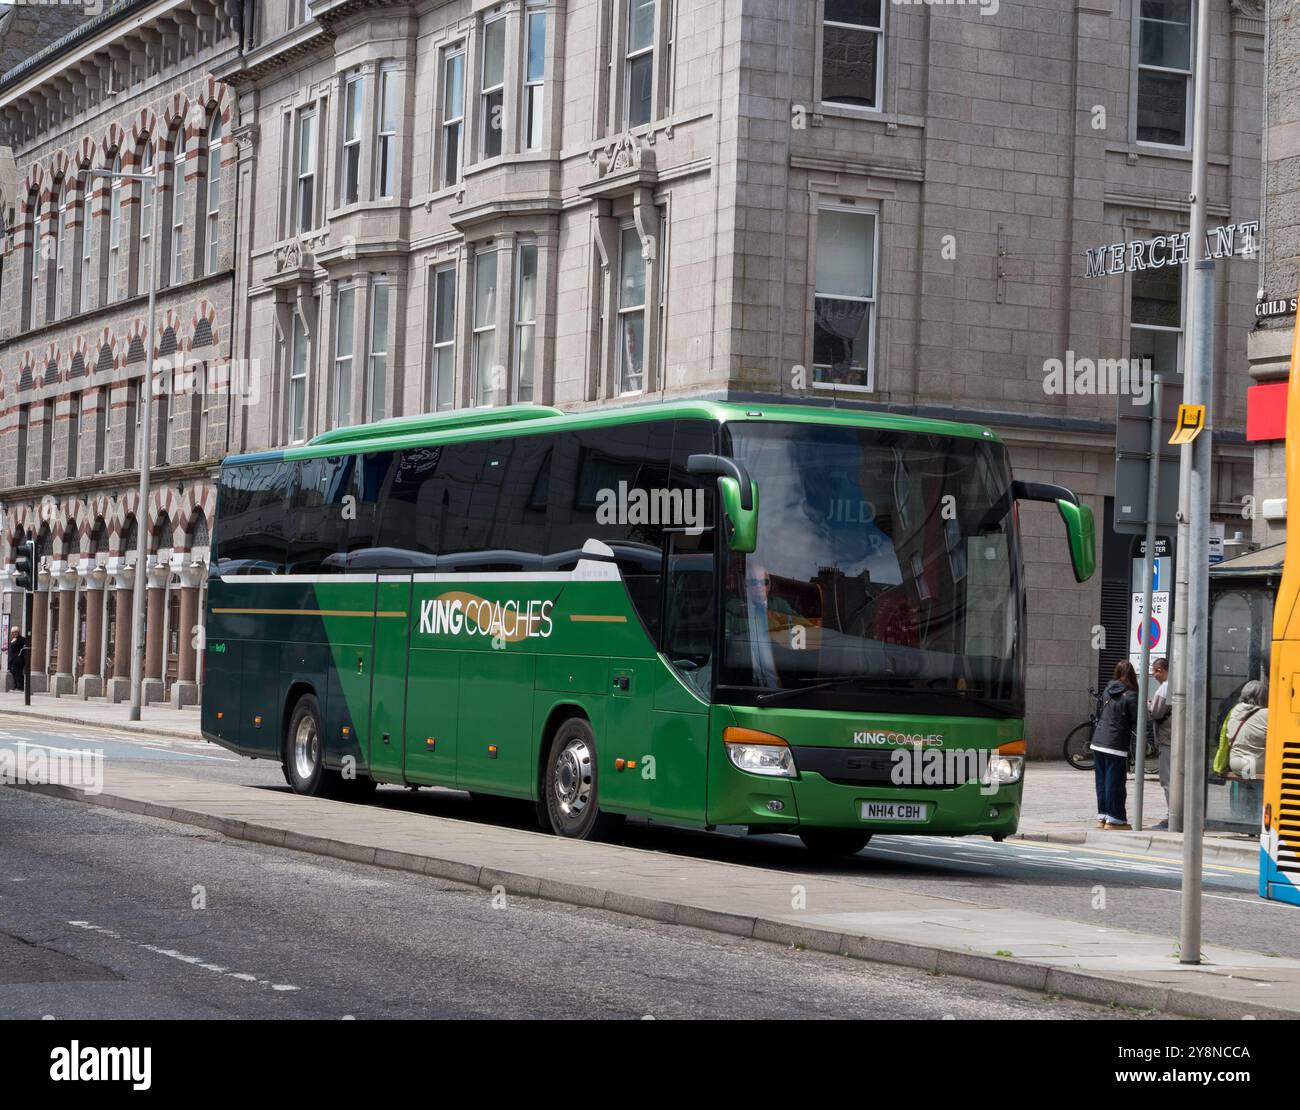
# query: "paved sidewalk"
{"points": [[855, 919], [1059, 803], [154, 720], [1060, 806]]}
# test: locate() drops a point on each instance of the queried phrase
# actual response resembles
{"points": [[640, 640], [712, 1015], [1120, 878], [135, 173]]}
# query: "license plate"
{"points": [[895, 811]]}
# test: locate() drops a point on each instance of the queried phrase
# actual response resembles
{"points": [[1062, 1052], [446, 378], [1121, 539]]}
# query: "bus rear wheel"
{"points": [[834, 842], [304, 759], [569, 798]]}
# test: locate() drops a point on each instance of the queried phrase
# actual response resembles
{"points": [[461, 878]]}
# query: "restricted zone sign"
{"points": [[1158, 625]]}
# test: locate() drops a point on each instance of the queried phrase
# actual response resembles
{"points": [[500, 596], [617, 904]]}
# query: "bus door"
{"points": [[388, 676], [681, 710]]}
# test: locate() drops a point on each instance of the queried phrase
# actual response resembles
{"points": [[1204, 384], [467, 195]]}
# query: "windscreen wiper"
{"points": [[774, 696], [795, 691]]}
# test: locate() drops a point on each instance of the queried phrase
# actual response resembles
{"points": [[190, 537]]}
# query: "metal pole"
{"points": [[142, 508], [1200, 382], [1178, 645], [28, 612], [1148, 566]]}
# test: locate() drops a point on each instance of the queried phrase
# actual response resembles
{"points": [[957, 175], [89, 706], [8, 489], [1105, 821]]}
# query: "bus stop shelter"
{"points": [[1243, 591]]}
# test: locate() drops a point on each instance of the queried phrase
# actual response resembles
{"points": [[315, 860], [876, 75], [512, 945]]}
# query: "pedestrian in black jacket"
{"points": [[17, 657], [1112, 740]]}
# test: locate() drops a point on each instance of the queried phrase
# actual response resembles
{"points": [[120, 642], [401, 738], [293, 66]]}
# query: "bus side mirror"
{"points": [[1081, 534], [1080, 528], [739, 496]]}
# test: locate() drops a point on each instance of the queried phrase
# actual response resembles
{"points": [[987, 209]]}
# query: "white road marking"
{"points": [[193, 961]]}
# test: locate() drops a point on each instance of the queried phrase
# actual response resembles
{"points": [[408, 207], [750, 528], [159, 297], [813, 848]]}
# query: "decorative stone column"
{"points": [[153, 688], [64, 683], [90, 684], [185, 690], [40, 636], [123, 576]]}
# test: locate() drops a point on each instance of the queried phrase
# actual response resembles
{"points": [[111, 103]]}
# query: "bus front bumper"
{"points": [[770, 804]]}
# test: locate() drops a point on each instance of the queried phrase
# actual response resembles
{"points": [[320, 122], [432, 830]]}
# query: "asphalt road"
{"points": [[105, 914], [1099, 886]]}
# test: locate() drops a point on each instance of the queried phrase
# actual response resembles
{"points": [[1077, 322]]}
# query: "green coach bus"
{"points": [[701, 613]]}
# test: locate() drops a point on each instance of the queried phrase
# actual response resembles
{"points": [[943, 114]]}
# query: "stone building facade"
{"points": [[127, 91], [451, 203], [1278, 274]]}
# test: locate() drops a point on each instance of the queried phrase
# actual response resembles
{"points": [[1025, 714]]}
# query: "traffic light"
{"points": [[25, 565]]}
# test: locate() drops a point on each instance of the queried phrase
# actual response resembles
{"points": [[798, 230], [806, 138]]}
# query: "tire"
{"points": [[304, 750], [569, 800], [304, 759], [834, 842], [1077, 753]]}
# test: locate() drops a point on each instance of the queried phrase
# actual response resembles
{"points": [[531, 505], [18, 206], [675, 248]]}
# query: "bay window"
{"points": [[484, 345], [492, 86], [442, 386]]}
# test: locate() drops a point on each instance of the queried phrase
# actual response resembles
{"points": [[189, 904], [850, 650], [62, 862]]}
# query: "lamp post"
{"points": [[146, 420]]}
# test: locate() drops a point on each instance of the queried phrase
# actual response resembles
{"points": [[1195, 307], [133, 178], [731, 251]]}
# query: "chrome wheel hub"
{"points": [[574, 778], [306, 749]]}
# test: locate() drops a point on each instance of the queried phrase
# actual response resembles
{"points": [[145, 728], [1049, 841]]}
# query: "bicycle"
{"points": [[1078, 754]]}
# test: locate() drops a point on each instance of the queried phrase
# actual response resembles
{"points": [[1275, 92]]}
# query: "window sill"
{"points": [[1135, 150], [838, 388], [823, 111]]}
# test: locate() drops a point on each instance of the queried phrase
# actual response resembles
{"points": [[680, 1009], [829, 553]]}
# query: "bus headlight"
{"points": [[759, 753], [1003, 769]]}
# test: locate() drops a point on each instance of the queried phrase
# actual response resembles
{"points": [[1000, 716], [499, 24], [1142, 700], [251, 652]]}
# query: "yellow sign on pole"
{"points": [[1190, 422]]}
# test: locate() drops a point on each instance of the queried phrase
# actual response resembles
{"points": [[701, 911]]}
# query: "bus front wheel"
{"points": [[570, 805], [834, 842]]}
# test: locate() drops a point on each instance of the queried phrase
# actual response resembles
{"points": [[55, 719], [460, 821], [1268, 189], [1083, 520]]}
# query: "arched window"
{"points": [[199, 531], [131, 538], [62, 250], [163, 534], [83, 246], [212, 180], [145, 237], [32, 264], [176, 254], [114, 241], [99, 538]]}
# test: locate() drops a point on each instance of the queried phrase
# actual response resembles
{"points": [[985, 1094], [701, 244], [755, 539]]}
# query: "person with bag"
{"points": [[1112, 740], [1244, 733]]}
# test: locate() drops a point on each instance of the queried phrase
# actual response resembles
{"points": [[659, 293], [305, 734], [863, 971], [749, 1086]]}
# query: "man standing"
{"points": [[1160, 712]]}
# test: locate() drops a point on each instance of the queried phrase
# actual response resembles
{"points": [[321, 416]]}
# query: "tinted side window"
{"points": [[317, 523], [368, 477], [609, 484], [249, 531], [512, 498], [695, 437], [412, 512]]}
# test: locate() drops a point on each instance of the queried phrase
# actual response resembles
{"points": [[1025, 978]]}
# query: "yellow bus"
{"points": [[1279, 857]]}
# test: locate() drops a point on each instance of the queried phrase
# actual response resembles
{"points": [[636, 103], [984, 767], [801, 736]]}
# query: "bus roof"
{"points": [[489, 423]]}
